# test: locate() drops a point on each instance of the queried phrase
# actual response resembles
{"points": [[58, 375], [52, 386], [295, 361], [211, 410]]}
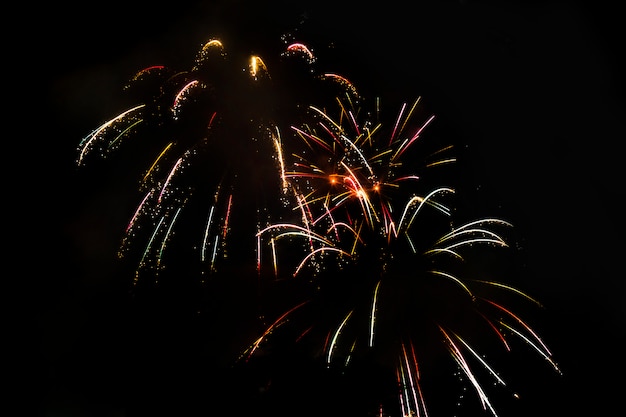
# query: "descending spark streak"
{"points": [[526, 326], [258, 254], [412, 401], [271, 328], [421, 201], [495, 237], [305, 215], [324, 115], [349, 356], [455, 279], [304, 231], [460, 359], [546, 355], [343, 81], [274, 262], [181, 96], [402, 384], [314, 138], [313, 253], [301, 233], [302, 48], [471, 224], [183, 91], [463, 230], [358, 151], [169, 178], [147, 70], [420, 396], [408, 117], [149, 245], [112, 144], [167, 235], [354, 123], [334, 224], [156, 161], [281, 160], [87, 142], [213, 43], [359, 191], [373, 314], [257, 65], [515, 290], [481, 360], [411, 382], [227, 219], [496, 330], [404, 394], [395, 126], [206, 234], [214, 253], [405, 146], [333, 343], [139, 210], [472, 241], [441, 162]]}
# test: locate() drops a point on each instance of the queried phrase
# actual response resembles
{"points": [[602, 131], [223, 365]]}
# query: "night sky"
{"points": [[532, 91]]}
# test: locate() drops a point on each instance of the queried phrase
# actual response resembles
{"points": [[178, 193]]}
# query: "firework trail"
{"points": [[331, 205]]}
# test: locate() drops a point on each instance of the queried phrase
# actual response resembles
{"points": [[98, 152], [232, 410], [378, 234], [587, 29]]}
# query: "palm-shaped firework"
{"points": [[332, 210]]}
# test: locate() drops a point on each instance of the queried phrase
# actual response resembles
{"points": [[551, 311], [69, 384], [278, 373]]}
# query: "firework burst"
{"points": [[327, 205], [212, 132], [368, 224]]}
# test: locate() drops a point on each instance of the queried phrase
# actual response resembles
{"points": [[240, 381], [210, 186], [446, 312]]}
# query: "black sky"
{"points": [[533, 89]]}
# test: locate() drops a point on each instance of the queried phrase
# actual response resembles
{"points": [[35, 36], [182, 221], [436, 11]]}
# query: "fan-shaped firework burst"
{"points": [[277, 172]]}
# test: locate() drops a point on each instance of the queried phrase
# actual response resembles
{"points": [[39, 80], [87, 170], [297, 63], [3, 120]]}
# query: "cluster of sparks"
{"points": [[342, 192]]}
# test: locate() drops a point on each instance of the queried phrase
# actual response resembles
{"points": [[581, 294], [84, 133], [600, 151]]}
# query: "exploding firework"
{"points": [[283, 178]]}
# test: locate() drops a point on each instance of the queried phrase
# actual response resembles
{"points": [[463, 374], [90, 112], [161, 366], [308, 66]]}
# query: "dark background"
{"points": [[533, 89]]}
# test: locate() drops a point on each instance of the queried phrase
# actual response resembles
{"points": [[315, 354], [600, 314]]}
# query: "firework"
{"points": [[368, 225], [285, 178]]}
